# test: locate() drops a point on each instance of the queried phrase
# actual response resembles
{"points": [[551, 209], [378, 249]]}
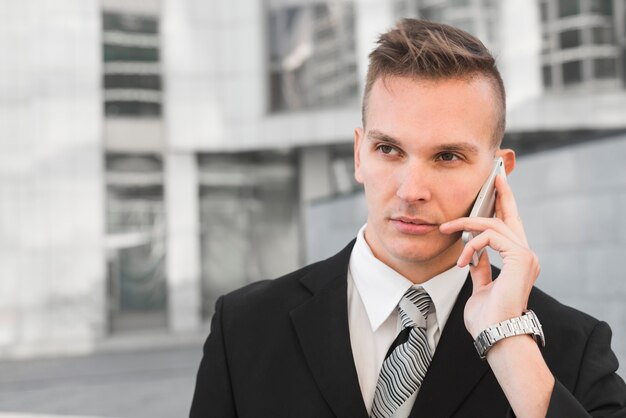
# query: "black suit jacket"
{"points": [[281, 348]]}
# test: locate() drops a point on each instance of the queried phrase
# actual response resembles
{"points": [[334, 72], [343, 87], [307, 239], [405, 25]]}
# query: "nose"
{"points": [[415, 183]]}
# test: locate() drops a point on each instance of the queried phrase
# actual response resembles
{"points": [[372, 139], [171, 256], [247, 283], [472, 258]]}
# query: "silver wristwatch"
{"points": [[525, 324]]}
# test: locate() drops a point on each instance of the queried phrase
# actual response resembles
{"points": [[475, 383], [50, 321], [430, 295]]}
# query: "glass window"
{"points": [[569, 7], [342, 157], [623, 67], [312, 56], [432, 13], [572, 72], [466, 24], [249, 210], [131, 108], [570, 39], [544, 11], [602, 35], [130, 53], [129, 23], [131, 81], [546, 45], [605, 68], [400, 9], [547, 75], [603, 7], [135, 218]]}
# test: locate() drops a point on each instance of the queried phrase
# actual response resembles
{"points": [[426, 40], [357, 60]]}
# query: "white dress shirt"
{"points": [[374, 291]]}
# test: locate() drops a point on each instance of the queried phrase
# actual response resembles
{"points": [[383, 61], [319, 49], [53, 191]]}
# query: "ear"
{"points": [[358, 140], [508, 155]]}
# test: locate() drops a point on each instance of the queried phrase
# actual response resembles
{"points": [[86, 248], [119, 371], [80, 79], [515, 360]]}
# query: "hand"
{"points": [[507, 297]]}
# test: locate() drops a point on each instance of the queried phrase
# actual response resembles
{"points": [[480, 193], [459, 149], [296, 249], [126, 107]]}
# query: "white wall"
{"points": [[213, 63], [183, 242], [51, 191], [572, 201], [519, 56]]}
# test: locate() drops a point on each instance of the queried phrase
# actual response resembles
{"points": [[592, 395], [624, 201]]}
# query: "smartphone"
{"points": [[485, 204]]}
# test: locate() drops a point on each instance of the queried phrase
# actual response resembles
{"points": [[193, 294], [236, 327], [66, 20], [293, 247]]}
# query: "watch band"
{"points": [[528, 323]]}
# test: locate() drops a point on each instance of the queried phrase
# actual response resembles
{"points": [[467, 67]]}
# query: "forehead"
{"points": [[442, 109]]}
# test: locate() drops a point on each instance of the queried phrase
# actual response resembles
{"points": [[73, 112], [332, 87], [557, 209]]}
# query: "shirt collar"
{"points": [[381, 287]]}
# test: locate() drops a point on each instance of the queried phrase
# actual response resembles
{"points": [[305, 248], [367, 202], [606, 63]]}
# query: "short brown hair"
{"points": [[427, 50]]}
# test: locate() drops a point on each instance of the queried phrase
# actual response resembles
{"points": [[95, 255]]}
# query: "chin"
{"points": [[421, 252]]}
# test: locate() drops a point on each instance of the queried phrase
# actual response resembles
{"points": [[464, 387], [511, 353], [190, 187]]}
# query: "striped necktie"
{"points": [[406, 363]]}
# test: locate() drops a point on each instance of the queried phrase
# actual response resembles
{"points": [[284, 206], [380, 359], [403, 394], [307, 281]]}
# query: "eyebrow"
{"points": [[465, 147], [376, 135]]}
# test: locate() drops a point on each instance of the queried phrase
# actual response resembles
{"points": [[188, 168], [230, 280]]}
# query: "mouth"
{"points": [[413, 226], [413, 221]]}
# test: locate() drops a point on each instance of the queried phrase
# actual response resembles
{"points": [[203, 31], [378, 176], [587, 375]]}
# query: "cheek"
{"points": [[376, 176], [378, 185], [461, 199]]}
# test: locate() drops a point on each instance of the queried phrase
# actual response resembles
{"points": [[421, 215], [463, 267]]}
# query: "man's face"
{"points": [[426, 150]]}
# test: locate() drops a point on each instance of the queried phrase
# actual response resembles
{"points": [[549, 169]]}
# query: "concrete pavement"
{"points": [[141, 377], [20, 415]]}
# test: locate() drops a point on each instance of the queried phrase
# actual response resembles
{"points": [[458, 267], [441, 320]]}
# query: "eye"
{"points": [[388, 150], [448, 156], [385, 149]]}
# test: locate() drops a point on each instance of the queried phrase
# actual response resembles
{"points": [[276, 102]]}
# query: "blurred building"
{"points": [[157, 154], [134, 146]]}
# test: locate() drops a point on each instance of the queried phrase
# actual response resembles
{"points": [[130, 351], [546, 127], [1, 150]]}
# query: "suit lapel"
{"points": [[455, 369], [321, 324]]}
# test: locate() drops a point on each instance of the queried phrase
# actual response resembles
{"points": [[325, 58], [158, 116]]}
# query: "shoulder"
{"points": [[558, 316], [578, 346], [574, 339], [289, 291], [268, 292]]}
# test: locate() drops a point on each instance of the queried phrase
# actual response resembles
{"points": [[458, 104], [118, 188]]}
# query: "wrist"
{"points": [[526, 324], [523, 375], [488, 321]]}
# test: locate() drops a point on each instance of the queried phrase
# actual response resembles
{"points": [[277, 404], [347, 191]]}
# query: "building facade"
{"points": [[52, 217], [161, 153]]}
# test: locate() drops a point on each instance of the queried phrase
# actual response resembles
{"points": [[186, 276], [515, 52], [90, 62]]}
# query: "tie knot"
{"points": [[414, 308]]}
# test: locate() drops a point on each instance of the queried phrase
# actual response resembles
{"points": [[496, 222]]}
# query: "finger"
{"points": [[489, 238], [481, 274], [479, 225], [506, 209], [511, 252]]}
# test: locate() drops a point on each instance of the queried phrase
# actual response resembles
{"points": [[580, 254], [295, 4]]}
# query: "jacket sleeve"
{"points": [[213, 396], [599, 391]]}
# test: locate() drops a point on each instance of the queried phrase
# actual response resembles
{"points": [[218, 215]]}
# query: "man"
{"points": [[386, 327]]}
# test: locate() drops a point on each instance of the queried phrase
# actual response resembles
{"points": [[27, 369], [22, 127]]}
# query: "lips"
{"points": [[414, 221], [413, 226]]}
